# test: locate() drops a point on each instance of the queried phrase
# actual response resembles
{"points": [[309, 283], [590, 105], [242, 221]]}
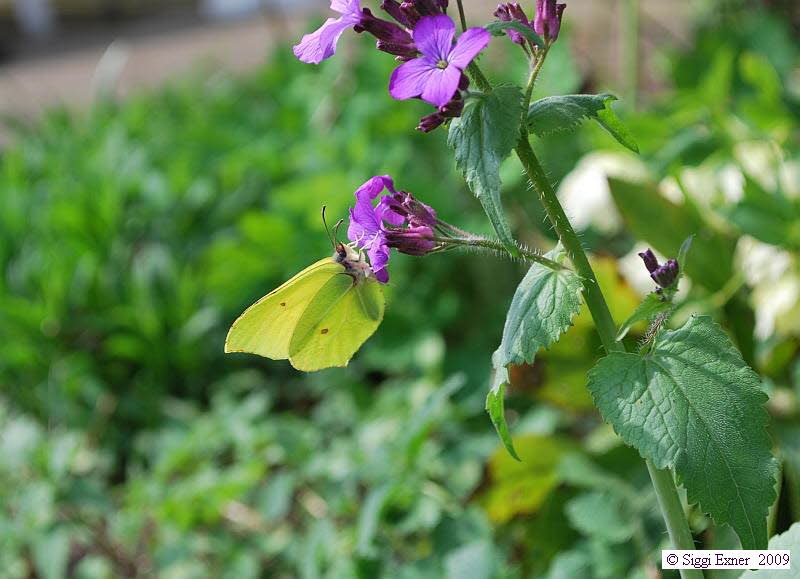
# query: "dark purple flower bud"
{"points": [[392, 7], [454, 108], [547, 23], [513, 12], [463, 83], [428, 7], [406, 208], [431, 122], [383, 30], [666, 274], [403, 52], [412, 240], [650, 261], [410, 13]]}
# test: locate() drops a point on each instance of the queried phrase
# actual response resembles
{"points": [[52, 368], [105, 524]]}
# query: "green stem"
{"points": [[540, 58], [473, 69], [592, 292], [664, 485], [672, 511], [497, 247], [462, 15]]}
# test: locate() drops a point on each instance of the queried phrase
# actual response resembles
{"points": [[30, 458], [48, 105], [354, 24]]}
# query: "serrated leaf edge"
{"points": [[763, 422]]}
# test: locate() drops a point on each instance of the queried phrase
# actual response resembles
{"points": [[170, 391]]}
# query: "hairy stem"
{"points": [[592, 292], [663, 483], [674, 517], [474, 71], [541, 55], [495, 246]]}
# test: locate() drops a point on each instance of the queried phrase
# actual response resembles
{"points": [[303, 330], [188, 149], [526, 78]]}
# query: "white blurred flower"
{"points": [[775, 298], [731, 182], [789, 177], [773, 304], [585, 194], [759, 161], [761, 262]]}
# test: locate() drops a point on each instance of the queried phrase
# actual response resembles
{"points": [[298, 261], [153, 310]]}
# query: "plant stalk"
{"points": [[663, 483], [497, 247]]}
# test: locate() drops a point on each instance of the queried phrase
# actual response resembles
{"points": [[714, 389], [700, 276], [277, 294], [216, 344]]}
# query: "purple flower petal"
{"points": [[346, 6], [441, 86], [382, 275], [321, 44], [386, 213], [372, 187], [410, 78], [433, 36], [468, 46]]}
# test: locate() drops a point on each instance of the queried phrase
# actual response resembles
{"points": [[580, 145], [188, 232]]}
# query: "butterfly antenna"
{"points": [[328, 229], [336, 229]]}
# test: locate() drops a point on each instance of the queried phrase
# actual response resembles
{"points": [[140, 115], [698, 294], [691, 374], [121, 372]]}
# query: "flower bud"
{"points": [[428, 7], [392, 7], [649, 259], [407, 206], [513, 12], [383, 30], [666, 274], [431, 122], [454, 108], [412, 240], [410, 13], [547, 23]]}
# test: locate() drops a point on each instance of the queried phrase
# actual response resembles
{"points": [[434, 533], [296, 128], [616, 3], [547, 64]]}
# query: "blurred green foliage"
{"points": [[131, 236]]}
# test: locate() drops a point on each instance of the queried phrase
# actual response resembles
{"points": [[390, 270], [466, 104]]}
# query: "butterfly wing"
{"points": [[336, 323], [266, 327]]}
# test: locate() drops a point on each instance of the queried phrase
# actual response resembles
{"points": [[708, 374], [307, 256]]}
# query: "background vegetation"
{"points": [[131, 236]]}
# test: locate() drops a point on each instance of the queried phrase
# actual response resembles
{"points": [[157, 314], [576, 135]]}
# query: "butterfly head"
{"points": [[353, 261]]}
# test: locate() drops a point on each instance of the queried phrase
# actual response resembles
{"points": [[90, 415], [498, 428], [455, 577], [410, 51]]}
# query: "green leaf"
{"points": [[692, 404], [789, 540], [650, 307], [600, 515], [482, 138], [499, 28], [683, 252], [542, 309], [666, 225], [565, 113], [495, 406]]}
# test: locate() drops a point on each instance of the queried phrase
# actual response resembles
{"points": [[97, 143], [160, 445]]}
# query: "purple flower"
{"points": [[548, 18], [366, 224], [315, 47], [398, 221], [436, 74], [664, 275]]}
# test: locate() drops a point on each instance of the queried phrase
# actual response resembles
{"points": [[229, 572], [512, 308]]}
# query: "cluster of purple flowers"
{"points": [[423, 38], [398, 221]]}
